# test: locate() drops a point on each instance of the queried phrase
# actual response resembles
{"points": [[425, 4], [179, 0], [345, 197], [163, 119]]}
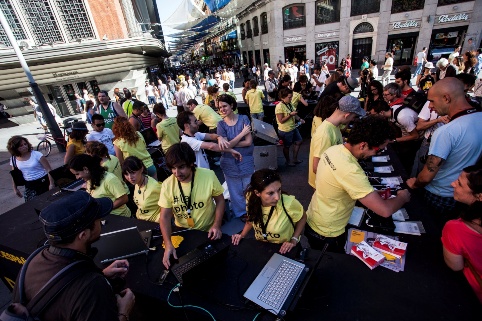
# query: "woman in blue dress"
{"points": [[236, 129]]}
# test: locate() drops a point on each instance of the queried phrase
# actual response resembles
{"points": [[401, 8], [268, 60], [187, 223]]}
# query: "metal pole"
{"points": [[54, 128]]}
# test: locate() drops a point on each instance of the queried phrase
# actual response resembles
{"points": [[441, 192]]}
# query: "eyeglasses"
{"points": [[387, 94], [100, 124]]}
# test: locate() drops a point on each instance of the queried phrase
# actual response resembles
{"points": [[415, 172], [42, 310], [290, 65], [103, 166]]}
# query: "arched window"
{"points": [[327, 11], [447, 2], [363, 27], [364, 7], [264, 23], [294, 16], [249, 31], [255, 27], [243, 34]]}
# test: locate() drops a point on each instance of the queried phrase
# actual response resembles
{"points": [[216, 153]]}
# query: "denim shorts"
{"points": [[291, 137]]}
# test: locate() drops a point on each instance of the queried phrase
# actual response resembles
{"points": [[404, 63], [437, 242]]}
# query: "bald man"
{"points": [[452, 148]]}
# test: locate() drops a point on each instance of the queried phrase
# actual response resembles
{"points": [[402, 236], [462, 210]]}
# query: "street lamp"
{"points": [[47, 114]]}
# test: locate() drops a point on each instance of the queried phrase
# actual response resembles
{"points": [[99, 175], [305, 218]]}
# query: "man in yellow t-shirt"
{"points": [[168, 131], [193, 196], [255, 97], [204, 114], [340, 181], [329, 134]]}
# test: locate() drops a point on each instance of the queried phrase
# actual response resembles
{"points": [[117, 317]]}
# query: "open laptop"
{"points": [[65, 180], [277, 284], [120, 244], [150, 137]]}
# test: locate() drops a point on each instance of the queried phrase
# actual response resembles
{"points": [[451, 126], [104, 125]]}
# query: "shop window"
{"points": [[447, 2], [363, 27], [294, 16], [364, 7], [327, 11], [264, 23], [249, 31], [243, 34], [255, 27], [407, 5]]}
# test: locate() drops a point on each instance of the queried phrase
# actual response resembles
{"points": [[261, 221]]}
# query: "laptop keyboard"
{"points": [[74, 184], [280, 284]]}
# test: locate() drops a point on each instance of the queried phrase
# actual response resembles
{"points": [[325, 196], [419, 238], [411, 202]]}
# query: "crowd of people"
{"points": [[435, 130]]}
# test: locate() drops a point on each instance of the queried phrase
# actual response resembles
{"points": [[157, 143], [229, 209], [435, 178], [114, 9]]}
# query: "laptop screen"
{"points": [[62, 176], [149, 135], [120, 244]]}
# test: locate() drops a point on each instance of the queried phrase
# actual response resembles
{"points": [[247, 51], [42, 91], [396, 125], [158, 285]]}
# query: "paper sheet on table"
{"points": [[392, 181], [400, 215], [356, 216], [412, 227], [380, 159], [383, 169]]}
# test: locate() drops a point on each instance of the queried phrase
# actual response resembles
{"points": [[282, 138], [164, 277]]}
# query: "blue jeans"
{"points": [[259, 116], [236, 187], [419, 69], [151, 100], [231, 84]]}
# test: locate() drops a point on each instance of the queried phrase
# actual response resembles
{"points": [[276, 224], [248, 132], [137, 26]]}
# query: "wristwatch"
{"points": [[297, 239]]}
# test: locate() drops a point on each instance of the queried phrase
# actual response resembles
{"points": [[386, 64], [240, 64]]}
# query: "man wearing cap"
{"points": [[71, 225], [328, 133], [425, 81], [344, 86], [271, 86], [341, 181], [267, 69]]}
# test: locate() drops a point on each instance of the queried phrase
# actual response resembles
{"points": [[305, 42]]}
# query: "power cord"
{"points": [[176, 289]]}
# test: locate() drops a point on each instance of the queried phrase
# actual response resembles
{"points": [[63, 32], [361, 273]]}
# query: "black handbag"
{"points": [[17, 174]]}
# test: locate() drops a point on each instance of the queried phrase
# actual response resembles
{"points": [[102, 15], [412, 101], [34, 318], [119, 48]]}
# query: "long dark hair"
{"points": [[97, 172], [474, 210], [259, 181]]}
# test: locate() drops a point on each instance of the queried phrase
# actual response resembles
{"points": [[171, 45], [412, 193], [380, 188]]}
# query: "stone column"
{"points": [[344, 45], [428, 18], [382, 30], [310, 29]]}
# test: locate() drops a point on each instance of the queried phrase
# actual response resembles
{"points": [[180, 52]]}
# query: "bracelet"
{"points": [[297, 239], [123, 315]]}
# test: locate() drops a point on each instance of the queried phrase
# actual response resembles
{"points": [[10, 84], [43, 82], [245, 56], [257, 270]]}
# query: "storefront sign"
{"points": [[65, 75], [405, 24], [327, 52], [294, 39], [456, 17], [326, 35]]}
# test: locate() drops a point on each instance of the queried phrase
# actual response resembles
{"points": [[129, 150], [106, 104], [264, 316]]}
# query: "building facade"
{"points": [[71, 45], [328, 30]]}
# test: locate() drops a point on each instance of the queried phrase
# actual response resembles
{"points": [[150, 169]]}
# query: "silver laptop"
{"points": [[65, 180], [276, 285], [120, 244]]}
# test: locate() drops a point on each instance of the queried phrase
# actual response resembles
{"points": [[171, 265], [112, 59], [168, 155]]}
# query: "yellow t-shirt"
{"points": [[255, 97], [340, 181], [138, 149], [283, 109], [147, 199], [168, 133], [113, 166], [78, 144], [279, 227], [295, 100], [208, 99], [113, 188], [206, 186], [326, 135], [207, 115], [314, 125]]}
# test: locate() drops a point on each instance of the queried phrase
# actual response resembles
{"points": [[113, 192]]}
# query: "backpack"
{"points": [[415, 101], [18, 311]]}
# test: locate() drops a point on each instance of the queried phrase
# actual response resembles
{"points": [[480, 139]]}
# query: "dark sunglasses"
{"points": [[100, 125]]}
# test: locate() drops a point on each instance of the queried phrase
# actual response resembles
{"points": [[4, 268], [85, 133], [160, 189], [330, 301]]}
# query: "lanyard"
{"points": [[288, 106], [464, 112], [189, 198], [265, 226]]}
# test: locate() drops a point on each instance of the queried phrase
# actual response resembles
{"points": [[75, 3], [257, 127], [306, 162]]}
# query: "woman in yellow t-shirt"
{"points": [[129, 142], [75, 145], [146, 192], [275, 217], [100, 183], [287, 119], [110, 162]]}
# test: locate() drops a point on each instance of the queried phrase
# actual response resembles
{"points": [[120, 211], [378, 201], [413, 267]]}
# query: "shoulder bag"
{"points": [[17, 174]]}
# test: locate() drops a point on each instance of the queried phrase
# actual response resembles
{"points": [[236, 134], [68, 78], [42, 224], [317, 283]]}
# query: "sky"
{"points": [[166, 8]]}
